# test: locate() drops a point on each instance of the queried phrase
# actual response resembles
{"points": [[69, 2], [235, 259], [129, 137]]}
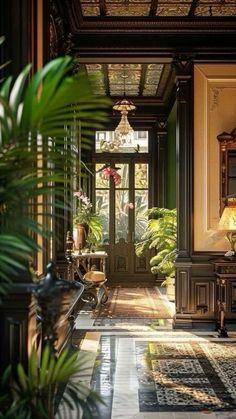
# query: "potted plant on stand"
{"points": [[87, 223], [161, 235]]}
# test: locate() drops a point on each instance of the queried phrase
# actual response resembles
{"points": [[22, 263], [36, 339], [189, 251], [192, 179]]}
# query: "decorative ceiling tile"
{"points": [[97, 71], [152, 79], [129, 10], [175, 3], [128, 7], [124, 78], [90, 8], [171, 10], [212, 10], [93, 67], [150, 90]]}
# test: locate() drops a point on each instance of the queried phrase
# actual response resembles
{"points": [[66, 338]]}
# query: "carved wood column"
{"points": [[184, 96]]}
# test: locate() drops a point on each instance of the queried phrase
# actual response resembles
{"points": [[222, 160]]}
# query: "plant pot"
{"points": [[82, 232]]}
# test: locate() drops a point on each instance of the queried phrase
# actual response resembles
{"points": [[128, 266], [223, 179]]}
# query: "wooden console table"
{"points": [[225, 272], [94, 264], [85, 261]]}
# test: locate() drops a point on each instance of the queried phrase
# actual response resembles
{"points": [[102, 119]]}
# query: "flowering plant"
{"points": [[109, 171], [84, 209], [85, 215]]}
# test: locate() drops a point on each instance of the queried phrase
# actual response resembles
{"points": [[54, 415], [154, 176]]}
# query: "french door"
{"points": [[122, 206]]}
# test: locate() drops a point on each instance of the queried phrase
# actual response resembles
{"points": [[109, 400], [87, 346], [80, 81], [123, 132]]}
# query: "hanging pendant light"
{"points": [[124, 131]]}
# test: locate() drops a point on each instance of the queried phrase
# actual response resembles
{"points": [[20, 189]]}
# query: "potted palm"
{"points": [[36, 117], [161, 235]]}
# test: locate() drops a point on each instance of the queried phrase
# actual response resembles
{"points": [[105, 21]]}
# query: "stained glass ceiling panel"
{"points": [[165, 8], [131, 79]]}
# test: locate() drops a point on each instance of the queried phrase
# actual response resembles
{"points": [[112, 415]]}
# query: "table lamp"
{"points": [[228, 223]]}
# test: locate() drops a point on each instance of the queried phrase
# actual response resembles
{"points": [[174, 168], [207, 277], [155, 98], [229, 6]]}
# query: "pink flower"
{"points": [[129, 205], [83, 198], [109, 171], [78, 194]]}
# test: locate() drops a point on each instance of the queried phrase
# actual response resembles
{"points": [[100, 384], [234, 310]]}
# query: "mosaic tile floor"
{"points": [[159, 373]]}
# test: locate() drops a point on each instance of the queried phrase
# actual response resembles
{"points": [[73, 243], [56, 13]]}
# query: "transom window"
{"points": [[106, 141]]}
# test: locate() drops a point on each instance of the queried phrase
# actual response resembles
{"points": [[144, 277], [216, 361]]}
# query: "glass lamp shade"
{"points": [[124, 105], [228, 224], [228, 218]]}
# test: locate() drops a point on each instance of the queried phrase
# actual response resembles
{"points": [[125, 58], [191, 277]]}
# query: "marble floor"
{"points": [[149, 371]]}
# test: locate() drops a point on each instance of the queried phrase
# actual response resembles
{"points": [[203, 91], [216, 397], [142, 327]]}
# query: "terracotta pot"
{"points": [[82, 231]]}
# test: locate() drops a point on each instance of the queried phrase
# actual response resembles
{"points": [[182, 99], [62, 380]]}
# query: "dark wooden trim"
{"points": [[193, 8], [161, 165], [142, 79], [106, 79], [153, 8], [184, 140], [102, 7], [157, 25]]}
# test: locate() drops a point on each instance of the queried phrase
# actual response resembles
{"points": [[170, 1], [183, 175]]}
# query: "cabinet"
{"points": [[227, 143], [225, 296]]}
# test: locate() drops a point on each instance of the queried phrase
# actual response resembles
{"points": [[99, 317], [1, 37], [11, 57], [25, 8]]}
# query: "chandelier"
{"points": [[123, 131]]}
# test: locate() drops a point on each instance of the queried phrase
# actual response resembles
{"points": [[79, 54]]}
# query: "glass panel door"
{"points": [[122, 205]]}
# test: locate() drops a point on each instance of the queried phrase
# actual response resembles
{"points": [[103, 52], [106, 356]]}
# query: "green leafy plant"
{"points": [[39, 121], [85, 215], [34, 394], [161, 235]]}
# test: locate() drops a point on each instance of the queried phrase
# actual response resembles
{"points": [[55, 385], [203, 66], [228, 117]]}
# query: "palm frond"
{"points": [[36, 117], [29, 393]]}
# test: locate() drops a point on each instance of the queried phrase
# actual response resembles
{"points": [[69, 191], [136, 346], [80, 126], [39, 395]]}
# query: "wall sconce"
{"points": [[228, 223]]}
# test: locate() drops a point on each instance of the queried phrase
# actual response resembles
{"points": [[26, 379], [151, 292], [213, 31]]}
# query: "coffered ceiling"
{"points": [[130, 44]]}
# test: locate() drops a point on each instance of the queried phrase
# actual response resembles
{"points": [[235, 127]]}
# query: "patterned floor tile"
{"points": [[187, 376]]}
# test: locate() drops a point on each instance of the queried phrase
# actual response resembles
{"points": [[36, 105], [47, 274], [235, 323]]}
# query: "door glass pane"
{"points": [[121, 215], [123, 170], [141, 205], [141, 175], [102, 207], [102, 181]]}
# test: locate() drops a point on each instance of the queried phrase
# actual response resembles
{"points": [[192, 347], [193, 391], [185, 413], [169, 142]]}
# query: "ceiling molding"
{"points": [[157, 25]]}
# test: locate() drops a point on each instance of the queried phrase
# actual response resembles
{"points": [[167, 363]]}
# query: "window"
{"points": [[106, 141]]}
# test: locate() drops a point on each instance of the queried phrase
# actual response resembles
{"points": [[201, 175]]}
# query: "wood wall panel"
{"points": [[214, 112]]}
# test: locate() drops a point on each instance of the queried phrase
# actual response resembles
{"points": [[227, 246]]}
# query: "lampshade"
{"points": [[124, 105], [228, 223], [228, 217]]}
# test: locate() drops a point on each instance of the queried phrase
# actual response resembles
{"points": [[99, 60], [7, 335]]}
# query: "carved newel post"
{"points": [[49, 295]]}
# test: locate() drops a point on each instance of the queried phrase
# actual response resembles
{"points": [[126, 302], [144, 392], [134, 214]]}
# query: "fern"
{"points": [[161, 235]]}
